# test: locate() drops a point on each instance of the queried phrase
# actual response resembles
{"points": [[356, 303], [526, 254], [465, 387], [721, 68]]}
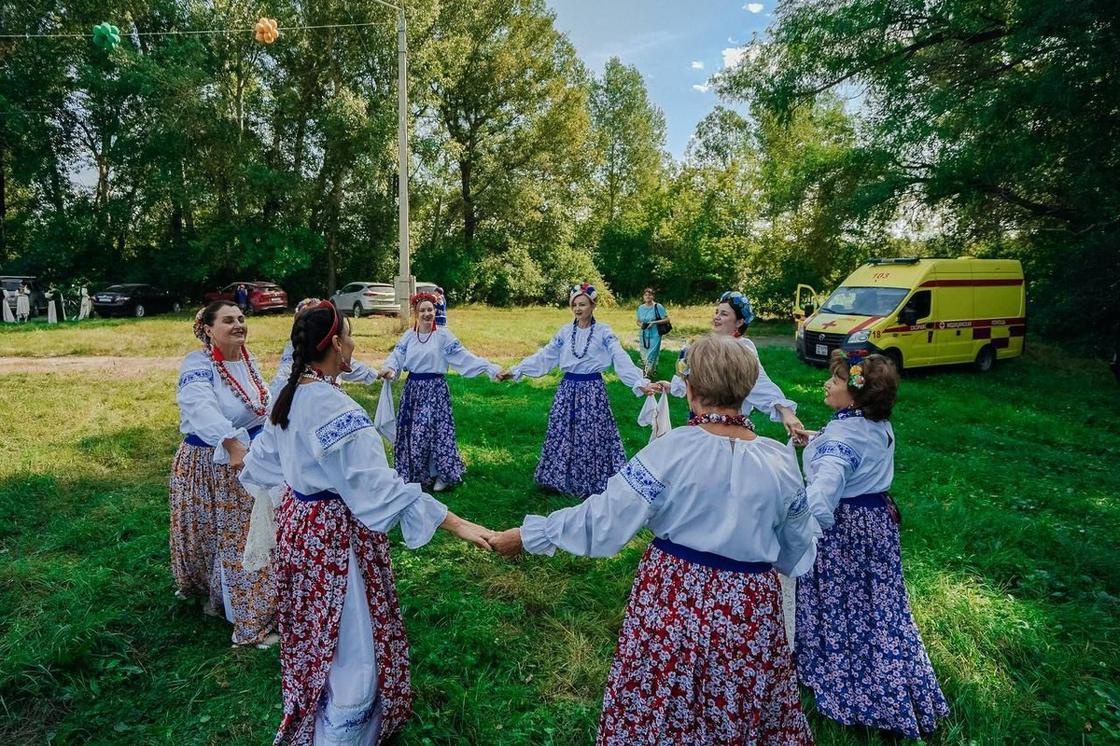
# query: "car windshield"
{"points": [[856, 301], [120, 288]]}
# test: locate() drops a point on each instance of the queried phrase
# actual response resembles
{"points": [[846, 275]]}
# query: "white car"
{"points": [[362, 298]]}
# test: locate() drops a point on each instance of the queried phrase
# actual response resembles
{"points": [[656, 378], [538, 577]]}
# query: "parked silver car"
{"points": [[363, 298]]}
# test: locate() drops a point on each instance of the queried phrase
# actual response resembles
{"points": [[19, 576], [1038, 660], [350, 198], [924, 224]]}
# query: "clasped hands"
{"points": [[506, 543]]}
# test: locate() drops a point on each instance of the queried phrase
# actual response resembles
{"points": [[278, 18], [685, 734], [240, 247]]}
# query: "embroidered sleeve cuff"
{"points": [[534, 536], [421, 519], [775, 415], [221, 455]]}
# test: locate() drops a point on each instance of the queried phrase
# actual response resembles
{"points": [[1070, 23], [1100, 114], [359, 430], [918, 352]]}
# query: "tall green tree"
{"points": [[997, 116]]}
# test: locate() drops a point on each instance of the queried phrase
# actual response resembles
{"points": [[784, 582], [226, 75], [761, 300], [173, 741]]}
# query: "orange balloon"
{"points": [[266, 30]]}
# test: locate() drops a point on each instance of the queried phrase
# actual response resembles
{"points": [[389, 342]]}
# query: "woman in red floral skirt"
{"points": [[344, 653], [702, 656]]}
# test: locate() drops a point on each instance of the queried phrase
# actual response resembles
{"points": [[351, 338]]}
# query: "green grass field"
{"points": [[1007, 482]]}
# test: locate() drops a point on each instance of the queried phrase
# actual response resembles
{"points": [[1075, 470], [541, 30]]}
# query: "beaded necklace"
{"points": [[714, 418], [424, 339], [312, 373], [587, 344], [219, 361]]}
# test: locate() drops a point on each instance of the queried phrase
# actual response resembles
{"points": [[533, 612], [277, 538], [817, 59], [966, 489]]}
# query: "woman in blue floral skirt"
{"points": [[858, 648], [582, 448]]}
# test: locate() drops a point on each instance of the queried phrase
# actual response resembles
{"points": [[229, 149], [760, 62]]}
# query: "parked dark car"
{"points": [[38, 300], [263, 296], [133, 299]]}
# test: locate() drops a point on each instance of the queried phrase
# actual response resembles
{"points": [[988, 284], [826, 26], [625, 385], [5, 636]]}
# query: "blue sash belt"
{"points": [[315, 497], [870, 500], [881, 500], [424, 376], [707, 559], [194, 440], [583, 376]]}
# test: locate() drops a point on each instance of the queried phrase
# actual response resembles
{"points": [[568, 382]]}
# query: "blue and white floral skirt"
{"points": [[582, 448], [858, 648], [425, 447]]}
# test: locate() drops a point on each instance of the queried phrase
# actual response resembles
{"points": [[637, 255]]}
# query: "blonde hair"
{"points": [[721, 371]]}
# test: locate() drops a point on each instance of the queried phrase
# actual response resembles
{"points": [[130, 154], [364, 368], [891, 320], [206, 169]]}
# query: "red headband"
{"points": [[334, 325]]}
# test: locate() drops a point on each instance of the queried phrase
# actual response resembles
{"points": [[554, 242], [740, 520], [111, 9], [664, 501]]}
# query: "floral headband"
{"points": [[306, 303], [855, 370], [200, 327], [739, 303], [419, 298], [583, 289]]}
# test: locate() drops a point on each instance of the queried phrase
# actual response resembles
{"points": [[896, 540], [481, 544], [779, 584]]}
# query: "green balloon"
{"points": [[106, 35]]}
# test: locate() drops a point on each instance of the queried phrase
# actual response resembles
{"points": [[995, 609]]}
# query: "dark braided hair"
{"points": [[309, 330]]}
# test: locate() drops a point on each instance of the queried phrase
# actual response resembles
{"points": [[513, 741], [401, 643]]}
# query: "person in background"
{"points": [[23, 303], [441, 307], [243, 298], [651, 320]]}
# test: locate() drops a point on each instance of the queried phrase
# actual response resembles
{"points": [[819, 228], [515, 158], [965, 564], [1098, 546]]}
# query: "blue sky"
{"points": [[676, 45]]}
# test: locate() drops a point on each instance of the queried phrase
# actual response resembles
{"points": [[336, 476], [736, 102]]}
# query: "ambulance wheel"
{"points": [[895, 357], [985, 359]]}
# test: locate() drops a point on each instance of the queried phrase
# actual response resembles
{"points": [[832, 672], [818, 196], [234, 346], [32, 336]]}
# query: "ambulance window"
{"points": [[919, 304]]}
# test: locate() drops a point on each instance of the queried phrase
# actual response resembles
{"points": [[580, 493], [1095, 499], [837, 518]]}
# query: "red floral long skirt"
{"points": [[702, 659], [312, 560]]}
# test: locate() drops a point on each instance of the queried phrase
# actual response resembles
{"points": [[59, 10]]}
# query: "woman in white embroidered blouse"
{"points": [[702, 641], [582, 447], [425, 449], [344, 654], [358, 373], [222, 406]]}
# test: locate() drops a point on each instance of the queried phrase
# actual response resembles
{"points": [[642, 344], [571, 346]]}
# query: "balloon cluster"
{"points": [[266, 31], [106, 36]]}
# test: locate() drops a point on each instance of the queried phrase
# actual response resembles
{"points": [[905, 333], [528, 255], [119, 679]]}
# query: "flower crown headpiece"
{"points": [[741, 305], [199, 327], [306, 303], [855, 370], [683, 369], [419, 298], [583, 289]]}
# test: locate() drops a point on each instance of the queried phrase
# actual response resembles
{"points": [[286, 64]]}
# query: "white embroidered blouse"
{"points": [[209, 408], [330, 444], [435, 353], [736, 498], [850, 456], [360, 374], [593, 350], [765, 396]]}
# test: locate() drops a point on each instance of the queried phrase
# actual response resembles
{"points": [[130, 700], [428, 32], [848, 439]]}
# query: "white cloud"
{"points": [[732, 56], [753, 7], [697, 65], [703, 88]]}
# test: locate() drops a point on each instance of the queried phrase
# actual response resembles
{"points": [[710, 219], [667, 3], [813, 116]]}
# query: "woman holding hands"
{"points": [[344, 652], [582, 448]]}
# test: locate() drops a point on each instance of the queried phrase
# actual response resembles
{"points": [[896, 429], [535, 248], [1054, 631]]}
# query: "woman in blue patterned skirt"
{"points": [[426, 451], [582, 448], [858, 648]]}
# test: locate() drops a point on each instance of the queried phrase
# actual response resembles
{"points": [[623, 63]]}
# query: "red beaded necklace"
{"points": [[219, 361], [423, 340], [714, 418]]}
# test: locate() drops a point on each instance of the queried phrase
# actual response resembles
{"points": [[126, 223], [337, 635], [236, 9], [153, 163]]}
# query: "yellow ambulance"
{"points": [[919, 312]]}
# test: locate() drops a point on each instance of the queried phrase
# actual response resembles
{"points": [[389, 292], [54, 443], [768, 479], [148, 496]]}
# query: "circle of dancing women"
{"points": [[582, 447], [222, 406], [425, 449], [344, 652]]}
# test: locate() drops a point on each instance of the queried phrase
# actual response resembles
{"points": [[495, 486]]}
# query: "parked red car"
{"points": [[262, 296]]}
